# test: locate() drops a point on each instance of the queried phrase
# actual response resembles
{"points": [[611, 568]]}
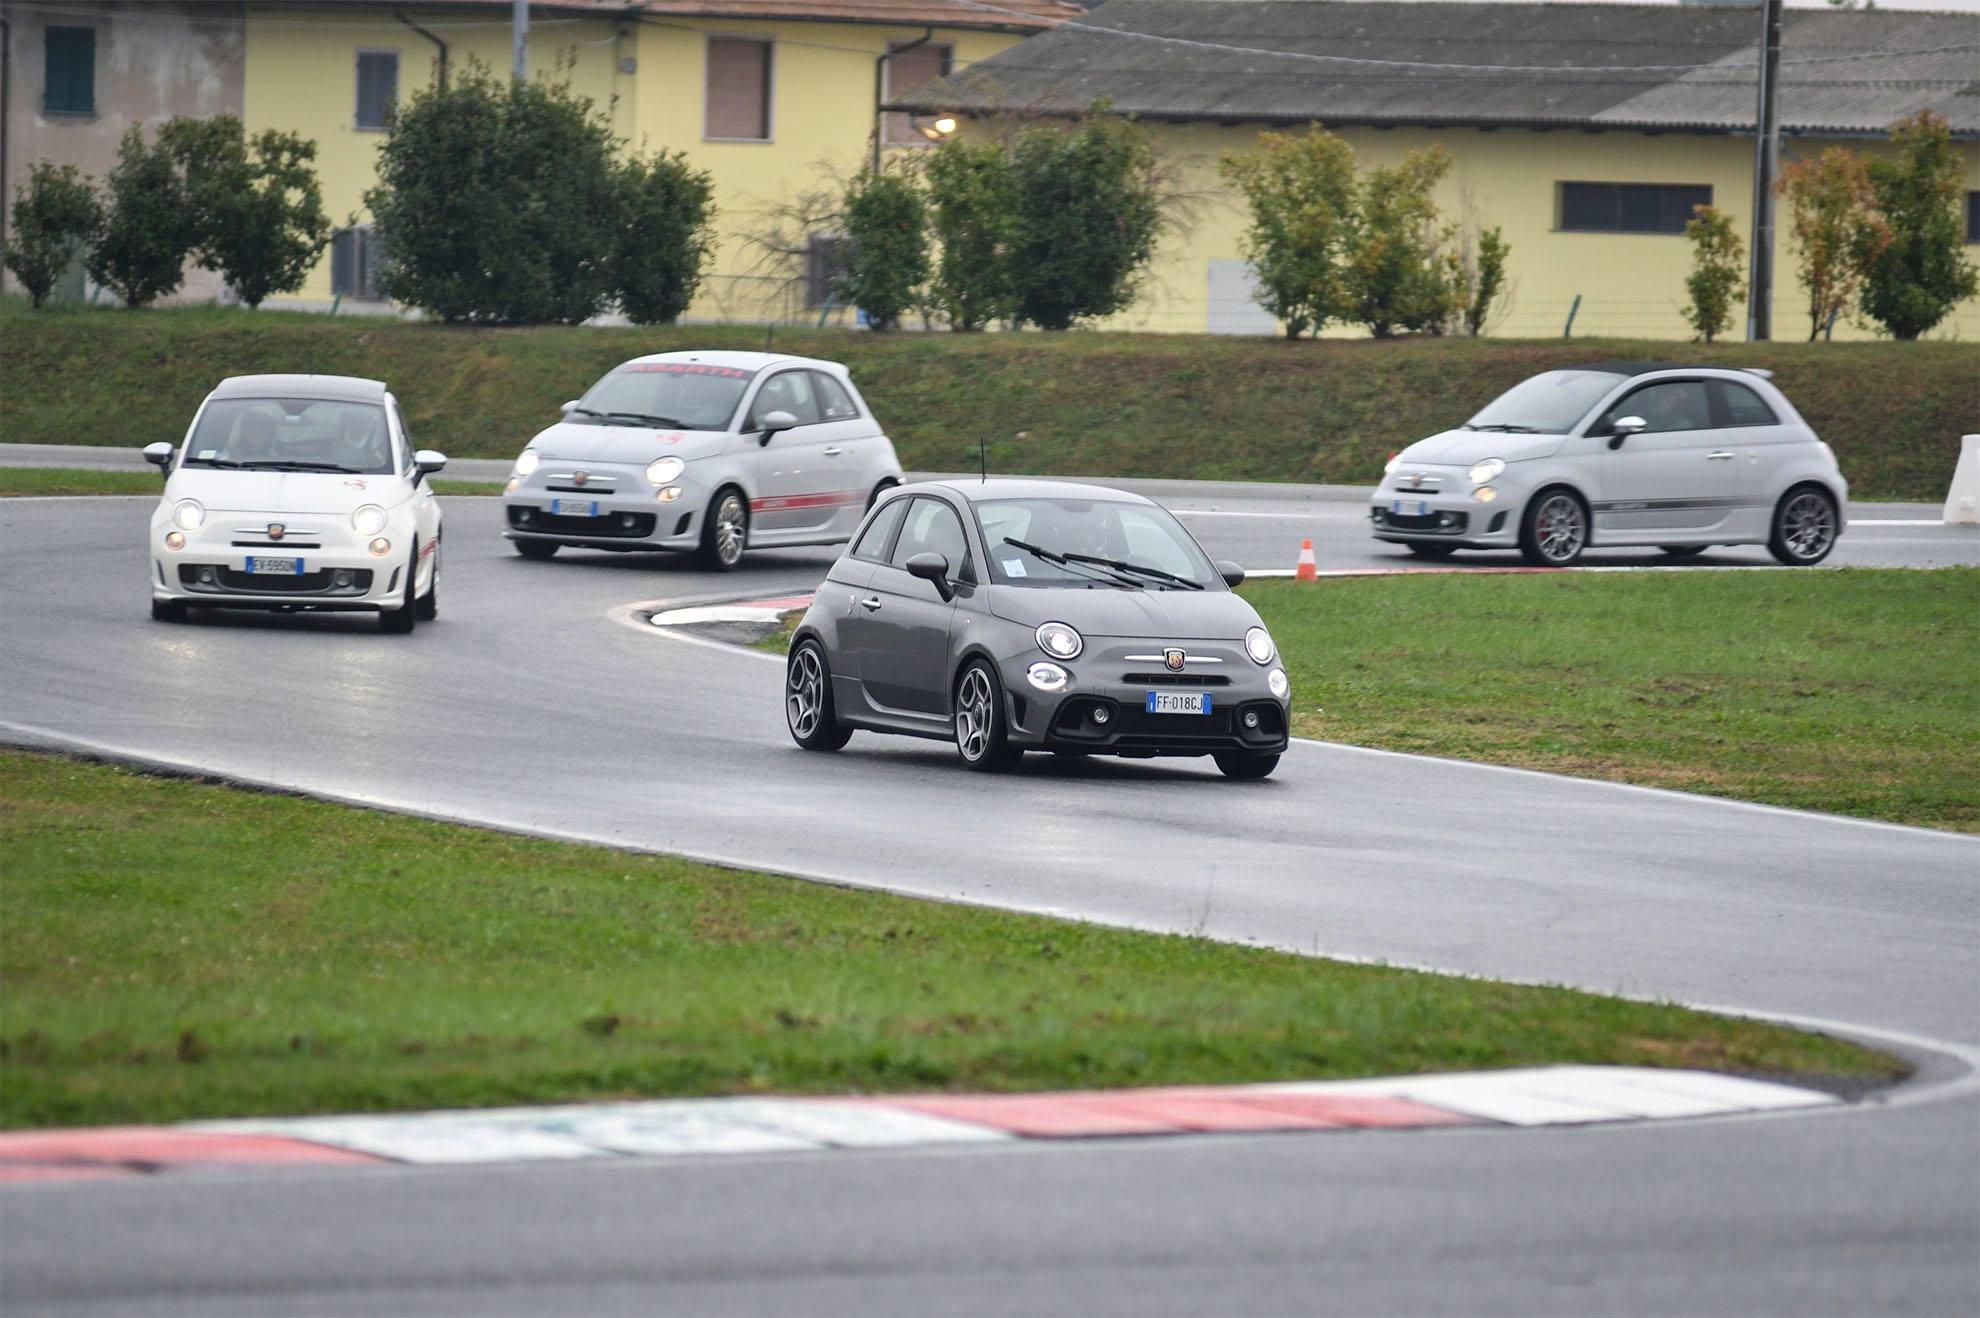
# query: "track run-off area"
{"points": [[540, 702]]}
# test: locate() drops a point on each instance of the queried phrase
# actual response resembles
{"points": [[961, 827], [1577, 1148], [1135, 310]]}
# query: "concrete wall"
{"points": [[153, 61]]}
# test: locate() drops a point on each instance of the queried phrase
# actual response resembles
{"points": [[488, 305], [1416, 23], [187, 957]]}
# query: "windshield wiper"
{"points": [[642, 418], [283, 465], [1509, 429], [1121, 565], [1073, 561]]}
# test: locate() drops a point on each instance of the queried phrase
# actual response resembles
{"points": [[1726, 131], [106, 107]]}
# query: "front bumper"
{"points": [[629, 513], [1447, 512], [339, 573], [1103, 708]]}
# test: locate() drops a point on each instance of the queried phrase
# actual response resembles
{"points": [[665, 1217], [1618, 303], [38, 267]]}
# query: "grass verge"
{"points": [[174, 949], [1852, 691], [1186, 406], [20, 482]]}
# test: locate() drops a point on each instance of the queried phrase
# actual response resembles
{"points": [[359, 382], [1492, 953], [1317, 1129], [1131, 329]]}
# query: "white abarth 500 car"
{"points": [[706, 452], [1620, 453], [297, 492]]}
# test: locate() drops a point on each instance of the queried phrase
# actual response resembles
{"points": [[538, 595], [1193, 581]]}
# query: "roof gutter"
{"points": [[398, 12], [880, 90]]}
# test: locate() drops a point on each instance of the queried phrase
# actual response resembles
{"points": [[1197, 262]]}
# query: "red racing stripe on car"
{"points": [[786, 502]]}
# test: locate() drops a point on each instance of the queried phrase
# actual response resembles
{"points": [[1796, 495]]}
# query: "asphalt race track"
{"points": [[540, 702]]}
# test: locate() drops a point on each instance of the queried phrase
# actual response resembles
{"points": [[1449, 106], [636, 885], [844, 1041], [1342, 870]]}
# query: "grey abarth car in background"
{"points": [[1015, 615]]}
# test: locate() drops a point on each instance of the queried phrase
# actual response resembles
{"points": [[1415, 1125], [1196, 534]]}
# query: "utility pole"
{"points": [[1766, 156], [519, 39]]}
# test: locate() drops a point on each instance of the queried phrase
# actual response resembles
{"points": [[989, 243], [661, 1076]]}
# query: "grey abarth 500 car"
{"points": [[1016, 615]]}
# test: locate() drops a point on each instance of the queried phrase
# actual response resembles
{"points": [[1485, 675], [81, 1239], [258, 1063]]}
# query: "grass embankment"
{"points": [[173, 949], [1191, 406], [23, 482], [1854, 692]]}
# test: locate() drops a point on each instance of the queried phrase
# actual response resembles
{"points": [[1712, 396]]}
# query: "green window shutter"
{"points": [[70, 85]]}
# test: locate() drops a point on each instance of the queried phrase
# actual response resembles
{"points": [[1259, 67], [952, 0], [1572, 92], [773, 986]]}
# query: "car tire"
{"points": [[537, 550], [428, 605], [878, 491], [809, 710], [1245, 767], [725, 530], [1554, 528], [1804, 527], [1431, 551], [982, 736], [1682, 551], [399, 621], [168, 610]]}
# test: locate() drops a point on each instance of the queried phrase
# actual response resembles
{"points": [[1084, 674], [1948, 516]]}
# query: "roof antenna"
{"points": [[982, 460]]}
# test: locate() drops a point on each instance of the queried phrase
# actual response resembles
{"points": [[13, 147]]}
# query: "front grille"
{"points": [[276, 544], [1434, 523], [1130, 727], [1174, 679], [612, 526], [233, 581], [592, 487]]}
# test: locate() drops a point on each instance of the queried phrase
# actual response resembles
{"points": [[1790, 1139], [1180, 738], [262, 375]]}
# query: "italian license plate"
{"points": [[1409, 507], [274, 567], [1178, 702], [574, 507]]}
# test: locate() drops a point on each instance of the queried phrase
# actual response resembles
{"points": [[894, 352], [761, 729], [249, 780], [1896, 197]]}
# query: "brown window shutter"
{"points": [[738, 88]]}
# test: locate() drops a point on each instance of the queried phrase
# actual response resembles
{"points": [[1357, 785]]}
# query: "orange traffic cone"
{"points": [[1306, 571]]}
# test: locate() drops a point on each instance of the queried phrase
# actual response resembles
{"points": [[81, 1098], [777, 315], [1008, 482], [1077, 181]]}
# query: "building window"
{"points": [[906, 71], [738, 106], [70, 83], [1973, 217], [824, 258], [377, 86], [1630, 207], [356, 257]]}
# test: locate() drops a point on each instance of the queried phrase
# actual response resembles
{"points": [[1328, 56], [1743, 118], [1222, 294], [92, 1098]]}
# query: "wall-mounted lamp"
{"points": [[940, 129]]}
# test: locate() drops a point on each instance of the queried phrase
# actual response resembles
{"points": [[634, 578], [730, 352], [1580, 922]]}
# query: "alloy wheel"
{"points": [[804, 693], [1559, 528], [1808, 525], [731, 519], [973, 715]]}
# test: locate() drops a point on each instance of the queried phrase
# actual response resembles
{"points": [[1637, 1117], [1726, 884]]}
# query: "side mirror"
{"points": [[772, 422], [1624, 428], [567, 408], [934, 569], [1232, 574], [159, 455], [429, 462]]}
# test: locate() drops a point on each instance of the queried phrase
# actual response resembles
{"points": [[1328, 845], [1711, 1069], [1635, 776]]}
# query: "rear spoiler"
{"points": [[1760, 371]]}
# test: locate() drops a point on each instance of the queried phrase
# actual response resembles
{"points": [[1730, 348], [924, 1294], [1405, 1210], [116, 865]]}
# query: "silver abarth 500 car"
{"points": [[1680, 458], [1015, 615], [706, 452]]}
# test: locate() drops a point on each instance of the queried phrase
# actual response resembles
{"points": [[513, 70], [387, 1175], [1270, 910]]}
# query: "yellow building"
{"points": [[772, 97], [1585, 132]]}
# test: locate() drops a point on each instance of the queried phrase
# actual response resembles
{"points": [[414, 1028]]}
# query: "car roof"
{"points": [[1014, 487], [1652, 368], [342, 387], [741, 361]]}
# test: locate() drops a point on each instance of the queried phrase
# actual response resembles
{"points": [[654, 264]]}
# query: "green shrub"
{"points": [[1401, 275], [973, 209], [56, 216], [1919, 272], [1301, 191], [1089, 210], [887, 261], [140, 251], [667, 213], [256, 202], [1714, 283]]}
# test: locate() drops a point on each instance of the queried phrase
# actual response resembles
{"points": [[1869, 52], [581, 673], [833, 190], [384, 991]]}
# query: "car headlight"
{"points": [[1278, 683], [526, 461], [1486, 470], [187, 514], [1059, 640], [368, 520], [1258, 644], [1395, 460], [664, 471]]}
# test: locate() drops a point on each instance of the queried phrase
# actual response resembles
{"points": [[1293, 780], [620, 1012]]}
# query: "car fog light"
{"points": [[343, 578], [175, 539], [1046, 677], [510, 488], [626, 519], [1278, 684], [1251, 718], [206, 576], [1101, 714], [1484, 494], [380, 547], [668, 495], [526, 515]]}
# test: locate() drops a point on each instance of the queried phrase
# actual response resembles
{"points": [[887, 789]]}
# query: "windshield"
{"points": [[1547, 404], [292, 434], [1090, 542], [676, 395]]}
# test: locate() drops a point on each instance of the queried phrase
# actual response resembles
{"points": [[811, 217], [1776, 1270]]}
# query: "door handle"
{"points": [[834, 451], [870, 605], [1720, 456]]}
